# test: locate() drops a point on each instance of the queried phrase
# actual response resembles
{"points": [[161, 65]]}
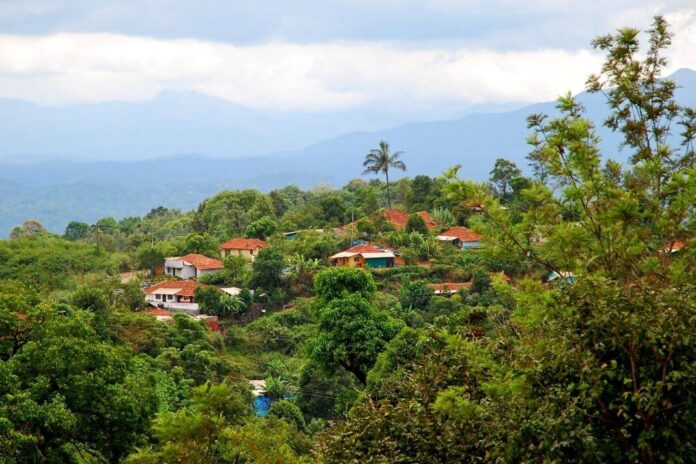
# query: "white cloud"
{"points": [[67, 68]]}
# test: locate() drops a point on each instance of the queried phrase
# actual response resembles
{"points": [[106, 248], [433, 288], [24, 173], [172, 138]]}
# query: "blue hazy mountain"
{"points": [[55, 192]]}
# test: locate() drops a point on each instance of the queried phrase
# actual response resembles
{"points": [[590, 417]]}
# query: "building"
{"points": [[449, 288], [247, 247], [191, 266], [177, 295], [363, 255], [163, 315], [461, 237]]}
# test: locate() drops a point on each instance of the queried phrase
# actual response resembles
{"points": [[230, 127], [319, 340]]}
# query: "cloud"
{"points": [[88, 67]]}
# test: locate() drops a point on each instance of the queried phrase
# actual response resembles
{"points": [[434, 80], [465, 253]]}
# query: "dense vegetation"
{"points": [[597, 365]]}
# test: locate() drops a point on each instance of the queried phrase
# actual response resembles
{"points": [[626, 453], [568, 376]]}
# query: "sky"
{"points": [[290, 55]]}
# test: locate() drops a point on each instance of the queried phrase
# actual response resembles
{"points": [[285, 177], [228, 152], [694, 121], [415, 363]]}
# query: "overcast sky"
{"points": [[319, 54]]}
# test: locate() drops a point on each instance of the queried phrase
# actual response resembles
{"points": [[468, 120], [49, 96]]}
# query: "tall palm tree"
{"points": [[380, 160]]}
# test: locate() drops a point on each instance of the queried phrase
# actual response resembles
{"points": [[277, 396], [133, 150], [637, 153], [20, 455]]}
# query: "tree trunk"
{"points": [[386, 173]]}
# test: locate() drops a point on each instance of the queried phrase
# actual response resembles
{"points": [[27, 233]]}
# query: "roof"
{"points": [[449, 286], [243, 244], [366, 250], [427, 218], [675, 246], [183, 287], [399, 219], [158, 312], [200, 262], [462, 233]]}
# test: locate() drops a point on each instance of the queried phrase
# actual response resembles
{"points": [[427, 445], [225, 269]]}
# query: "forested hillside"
{"points": [[529, 318]]}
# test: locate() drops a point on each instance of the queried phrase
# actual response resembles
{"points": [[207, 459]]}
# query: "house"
{"points": [[173, 295], [363, 255], [191, 266], [449, 288], [674, 247], [461, 237], [247, 247]]}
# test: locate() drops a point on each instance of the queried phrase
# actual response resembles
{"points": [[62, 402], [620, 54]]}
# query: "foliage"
{"points": [[381, 160], [261, 228], [338, 282], [290, 413], [267, 269], [416, 224], [351, 335], [415, 295]]}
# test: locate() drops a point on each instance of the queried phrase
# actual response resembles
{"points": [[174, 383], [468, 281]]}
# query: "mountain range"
{"points": [[118, 159]]}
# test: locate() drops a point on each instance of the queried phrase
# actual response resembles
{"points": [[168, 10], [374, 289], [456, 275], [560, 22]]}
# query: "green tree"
{"points": [[267, 269], [502, 177], [333, 283], [415, 295], [76, 231], [351, 335], [68, 396], [380, 160], [261, 228], [290, 413], [416, 224]]}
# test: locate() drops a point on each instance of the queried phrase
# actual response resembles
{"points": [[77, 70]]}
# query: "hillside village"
{"points": [[541, 317]]}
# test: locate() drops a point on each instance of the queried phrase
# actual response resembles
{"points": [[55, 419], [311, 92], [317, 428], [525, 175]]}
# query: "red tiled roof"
{"points": [[462, 233], [363, 248], [449, 286], [158, 312], [187, 287], [243, 244], [427, 218], [201, 262], [397, 218]]}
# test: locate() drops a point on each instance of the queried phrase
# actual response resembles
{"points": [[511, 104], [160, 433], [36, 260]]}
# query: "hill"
{"points": [[52, 192]]}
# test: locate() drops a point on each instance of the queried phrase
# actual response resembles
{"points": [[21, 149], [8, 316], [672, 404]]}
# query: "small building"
{"points": [[173, 295], [191, 266], [363, 255], [246, 247], [461, 237], [163, 315], [449, 288]]}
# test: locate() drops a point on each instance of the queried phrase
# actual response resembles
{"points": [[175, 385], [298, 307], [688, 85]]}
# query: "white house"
{"points": [[173, 295], [191, 266]]}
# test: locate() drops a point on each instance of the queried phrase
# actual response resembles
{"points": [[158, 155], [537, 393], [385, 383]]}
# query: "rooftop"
{"points": [[462, 233], [182, 287], [243, 244]]}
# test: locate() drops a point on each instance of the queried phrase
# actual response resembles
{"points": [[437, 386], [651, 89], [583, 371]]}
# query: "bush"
{"points": [[290, 413], [338, 282]]}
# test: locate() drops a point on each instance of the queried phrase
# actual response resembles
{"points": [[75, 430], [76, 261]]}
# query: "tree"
{"points": [[267, 269], [261, 228], [415, 295], [149, 257], [416, 224], [29, 228], [68, 396], [290, 413], [381, 160], [351, 335], [333, 283], [76, 231], [502, 177]]}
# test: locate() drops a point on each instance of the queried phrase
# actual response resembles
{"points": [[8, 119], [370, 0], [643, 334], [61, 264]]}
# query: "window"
{"points": [[170, 297], [157, 296], [356, 259]]}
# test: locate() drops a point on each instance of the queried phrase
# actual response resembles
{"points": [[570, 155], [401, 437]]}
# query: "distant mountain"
{"points": [[55, 192], [172, 124]]}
